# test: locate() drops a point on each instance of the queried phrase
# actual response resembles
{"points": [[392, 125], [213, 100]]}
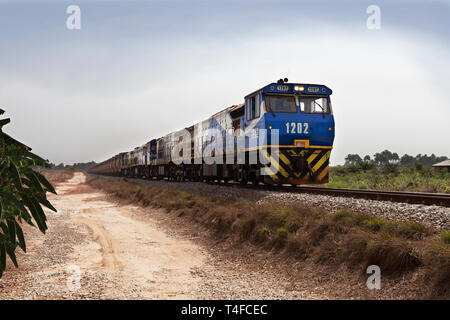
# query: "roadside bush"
{"points": [[354, 167], [282, 233], [366, 165], [349, 218], [354, 249], [413, 230], [391, 168], [374, 224], [392, 258], [445, 237]]}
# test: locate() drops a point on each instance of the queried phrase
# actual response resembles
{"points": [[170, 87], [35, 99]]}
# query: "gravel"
{"points": [[229, 270], [434, 216]]}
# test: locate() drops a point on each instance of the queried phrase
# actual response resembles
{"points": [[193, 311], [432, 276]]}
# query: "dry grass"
{"points": [[344, 238]]}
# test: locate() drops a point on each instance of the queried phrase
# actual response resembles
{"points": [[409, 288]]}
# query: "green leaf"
{"points": [[46, 203], [40, 210], [30, 204], [12, 231], [15, 176], [20, 238], [4, 227], [4, 122], [35, 182], [13, 142], [45, 182], [13, 201], [11, 254], [2, 258]]}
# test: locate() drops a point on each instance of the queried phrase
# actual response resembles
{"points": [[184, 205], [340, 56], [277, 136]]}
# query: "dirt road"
{"points": [[98, 249]]}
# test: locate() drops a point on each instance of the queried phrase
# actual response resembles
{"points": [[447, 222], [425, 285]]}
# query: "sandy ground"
{"points": [[98, 249]]}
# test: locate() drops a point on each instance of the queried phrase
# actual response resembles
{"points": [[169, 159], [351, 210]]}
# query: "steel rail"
{"points": [[440, 199], [426, 198]]}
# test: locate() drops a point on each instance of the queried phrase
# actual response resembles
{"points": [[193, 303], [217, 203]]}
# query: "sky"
{"points": [[137, 70]]}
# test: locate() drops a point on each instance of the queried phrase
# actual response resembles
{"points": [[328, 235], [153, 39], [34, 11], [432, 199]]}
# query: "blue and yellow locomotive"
{"points": [[303, 116], [299, 113]]}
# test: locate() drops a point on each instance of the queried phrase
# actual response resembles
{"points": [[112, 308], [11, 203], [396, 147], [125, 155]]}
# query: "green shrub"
{"points": [[392, 258], [339, 214], [374, 224], [282, 233], [353, 168], [277, 217], [445, 237], [413, 230], [349, 218]]}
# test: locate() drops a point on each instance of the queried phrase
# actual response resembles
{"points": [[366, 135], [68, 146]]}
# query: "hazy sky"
{"points": [[137, 70]]}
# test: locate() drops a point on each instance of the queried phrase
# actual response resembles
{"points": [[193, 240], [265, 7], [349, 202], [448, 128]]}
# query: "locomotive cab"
{"points": [[303, 116]]}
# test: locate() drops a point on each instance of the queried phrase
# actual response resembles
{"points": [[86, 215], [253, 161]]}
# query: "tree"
{"points": [[386, 157], [352, 159], [407, 161], [23, 192], [428, 161]]}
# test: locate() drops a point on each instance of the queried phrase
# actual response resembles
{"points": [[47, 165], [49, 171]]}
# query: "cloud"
{"points": [[87, 96]]}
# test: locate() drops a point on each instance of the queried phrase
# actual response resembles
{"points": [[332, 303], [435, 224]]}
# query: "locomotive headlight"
{"points": [[270, 127], [330, 128], [299, 88]]}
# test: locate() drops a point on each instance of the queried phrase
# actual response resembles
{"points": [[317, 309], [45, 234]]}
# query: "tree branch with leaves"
{"points": [[23, 193]]}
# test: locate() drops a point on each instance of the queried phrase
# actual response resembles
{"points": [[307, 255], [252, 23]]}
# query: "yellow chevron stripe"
{"points": [[320, 162], [313, 156], [275, 164], [323, 173], [272, 174], [284, 158]]}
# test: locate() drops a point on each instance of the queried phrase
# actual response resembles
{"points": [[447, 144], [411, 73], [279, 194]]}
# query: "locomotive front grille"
{"points": [[300, 166]]}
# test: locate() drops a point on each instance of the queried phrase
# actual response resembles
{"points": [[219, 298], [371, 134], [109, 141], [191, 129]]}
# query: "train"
{"points": [[282, 133]]}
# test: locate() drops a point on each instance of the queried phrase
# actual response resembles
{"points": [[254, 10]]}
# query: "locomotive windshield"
{"points": [[314, 105], [280, 103]]}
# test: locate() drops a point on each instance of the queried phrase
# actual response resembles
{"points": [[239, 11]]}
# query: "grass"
{"points": [[419, 180], [406, 230], [445, 237], [347, 238]]}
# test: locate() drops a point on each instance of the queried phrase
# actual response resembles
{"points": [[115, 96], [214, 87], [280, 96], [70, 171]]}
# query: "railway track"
{"points": [[427, 198], [440, 199]]}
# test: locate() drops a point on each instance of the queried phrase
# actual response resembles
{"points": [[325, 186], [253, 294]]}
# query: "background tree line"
{"points": [[82, 166], [388, 158]]}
